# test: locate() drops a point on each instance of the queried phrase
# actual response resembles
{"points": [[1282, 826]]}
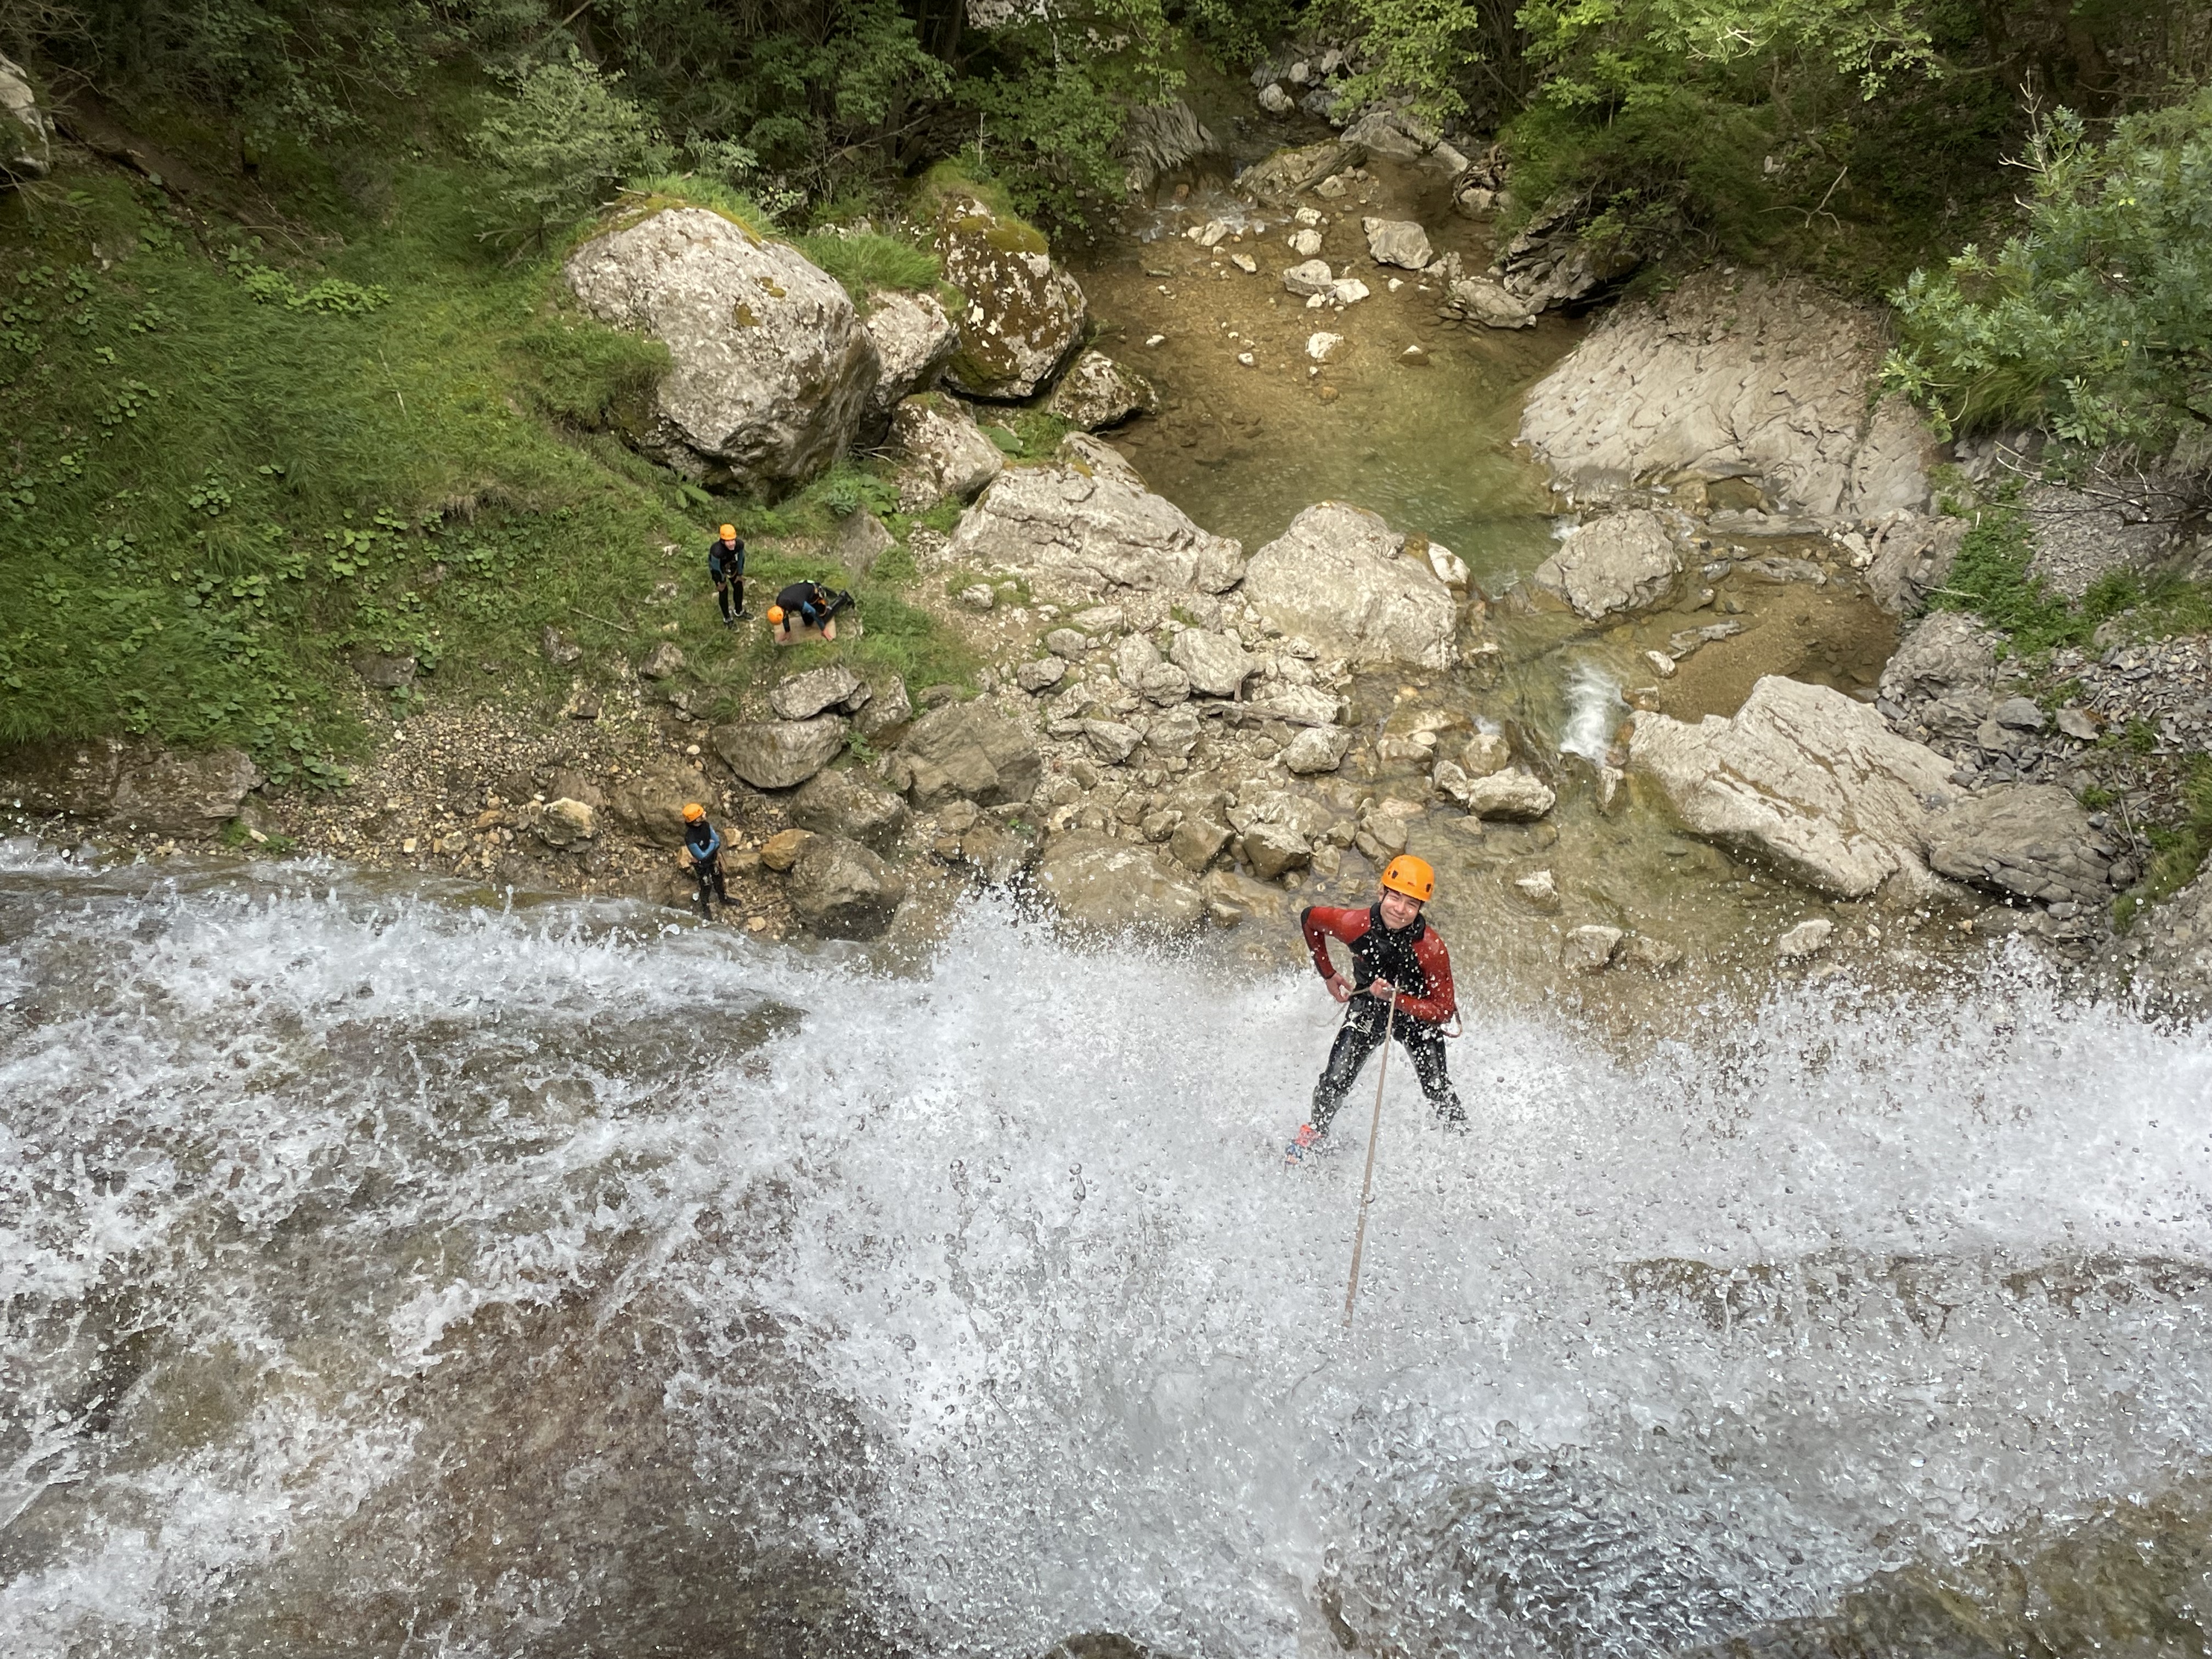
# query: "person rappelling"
{"points": [[702, 850], [1400, 985], [725, 568]]}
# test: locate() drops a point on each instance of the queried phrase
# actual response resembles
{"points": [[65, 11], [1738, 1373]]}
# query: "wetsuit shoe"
{"points": [[1309, 1142]]}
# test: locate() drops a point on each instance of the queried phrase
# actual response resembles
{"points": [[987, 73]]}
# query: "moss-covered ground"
{"points": [[243, 447]]}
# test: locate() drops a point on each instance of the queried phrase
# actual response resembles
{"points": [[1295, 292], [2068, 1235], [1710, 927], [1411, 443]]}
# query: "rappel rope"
{"points": [[1367, 1181]]}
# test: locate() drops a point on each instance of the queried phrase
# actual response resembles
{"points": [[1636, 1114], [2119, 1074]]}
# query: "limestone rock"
{"points": [[1336, 573], [26, 152], [1510, 797], [1096, 392], [1024, 314], [841, 890], [1540, 890], [1398, 242], [1317, 748], [1589, 949], [1197, 842], [663, 661], [1486, 752], [968, 751], [1173, 732], [1160, 139], [862, 538], [1218, 664], [1077, 533], [1282, 175], [1299, 705], [846, 804], [1620, 562], [566, 822], [558, 648], [175, 792], [1805, 775], [1910, 556], [779, 754], [1806, 939], [1099, 459], [383, 672], [770, 370], [650, 805], [2025, 840], [1111, 741], [914, 340], [780, 850], [1109, 886], [884, 718], [1489, 304], [1274, 850], [997, 853], [1939, 682], [1311, 277], [1658, 955], [1275, 100], [1041, 675], [802, 697], [944, 454], [1730, 376]]}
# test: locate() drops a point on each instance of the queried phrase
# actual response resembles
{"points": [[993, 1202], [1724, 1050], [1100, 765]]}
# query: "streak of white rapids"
{"points": [[1665, 1347]]}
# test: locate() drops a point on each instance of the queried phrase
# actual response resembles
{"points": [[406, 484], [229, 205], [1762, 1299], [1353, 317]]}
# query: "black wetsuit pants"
{"points": [[1357, 1041], [730, 593], [709, 875]]}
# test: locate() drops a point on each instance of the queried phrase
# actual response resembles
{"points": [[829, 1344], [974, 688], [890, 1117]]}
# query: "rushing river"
{"points": [[387, 1273]]}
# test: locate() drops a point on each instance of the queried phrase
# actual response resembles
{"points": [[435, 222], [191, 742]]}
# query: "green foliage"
{"points": [[862, 260], [1990, 579], [2097, 319], [553, 149], [328, 294], [581, 371], [1418, 50]]}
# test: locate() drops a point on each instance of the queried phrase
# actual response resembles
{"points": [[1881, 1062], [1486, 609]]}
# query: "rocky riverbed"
{"points": [[1603, 621]]}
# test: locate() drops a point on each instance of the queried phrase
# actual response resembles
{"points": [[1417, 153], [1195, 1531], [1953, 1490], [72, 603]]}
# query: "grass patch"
{"points": [[2180, 849], [211, 497], [1991, 578], [862, 260]]}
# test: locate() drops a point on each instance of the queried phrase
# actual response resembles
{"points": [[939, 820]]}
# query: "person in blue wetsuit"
{"points": [[704, 848]]}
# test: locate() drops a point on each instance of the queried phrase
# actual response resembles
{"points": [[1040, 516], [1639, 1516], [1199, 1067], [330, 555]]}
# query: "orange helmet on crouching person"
{"points": [[776, 616], [1411, 876]]}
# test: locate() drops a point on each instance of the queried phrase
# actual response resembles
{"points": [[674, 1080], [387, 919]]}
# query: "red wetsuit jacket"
{"points": [[1411, 957]]}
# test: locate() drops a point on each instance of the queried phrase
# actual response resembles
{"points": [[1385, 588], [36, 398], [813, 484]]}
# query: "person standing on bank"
{"points": [[703, 848], [1395, 956], [726, 564]]}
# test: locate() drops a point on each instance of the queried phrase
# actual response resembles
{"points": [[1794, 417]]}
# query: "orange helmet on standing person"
{"points": [[693, 813], [1411, 876]]}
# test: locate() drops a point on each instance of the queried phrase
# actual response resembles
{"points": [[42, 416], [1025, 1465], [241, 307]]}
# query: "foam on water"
{"points": [[986, 1290], [1594, 712]]}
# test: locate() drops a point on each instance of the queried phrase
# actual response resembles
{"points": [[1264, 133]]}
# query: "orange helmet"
{"points": [[1412, 876], [693, 812], [729, 532], [774, 615]]}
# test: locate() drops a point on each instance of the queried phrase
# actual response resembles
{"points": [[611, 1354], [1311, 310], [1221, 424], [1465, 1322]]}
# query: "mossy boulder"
{"points": [[1025, 316], [770, 369]]}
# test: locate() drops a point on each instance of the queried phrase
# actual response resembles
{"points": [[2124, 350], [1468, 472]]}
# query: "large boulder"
{"points": [[1024, 314], [1910, 556], [943, 454], [650, 805], [1108, 886], [1550, 262], [26, 152], [1096, 392], [846, 804], [176, 794], [1512, 796], [1623, 561], [914, 340], [73, 775], [780, 754], [1338, 574], [969, 751], [1806, 776], [841, 890], [1731, 377], [1941, 682], [1398, 242], [2023, 842], [1160, 139], [802, 697], [1076, 532], [769, 369], [1282, 175]]}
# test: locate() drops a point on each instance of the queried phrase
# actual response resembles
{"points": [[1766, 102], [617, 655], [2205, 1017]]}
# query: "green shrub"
{"points": [[2096, 321], [553, 149]]}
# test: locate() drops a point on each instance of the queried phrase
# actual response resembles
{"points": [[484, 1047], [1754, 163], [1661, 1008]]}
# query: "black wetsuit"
{"points": [[726, 565], [705, 848], [806, 605]]}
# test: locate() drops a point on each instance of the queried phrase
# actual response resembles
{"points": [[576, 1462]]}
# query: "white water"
{"points": [[1594, 712], [363, 1252]]}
